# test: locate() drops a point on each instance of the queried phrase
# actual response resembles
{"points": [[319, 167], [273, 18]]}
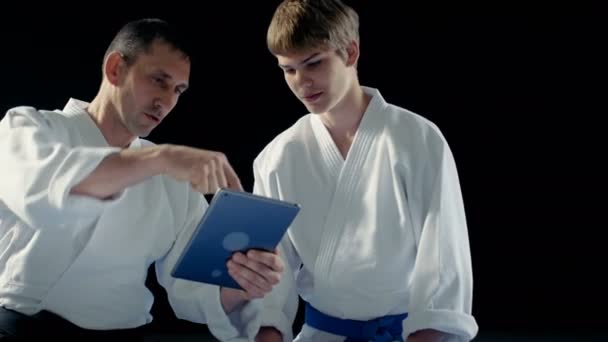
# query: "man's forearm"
{"points": [[121, 170]]}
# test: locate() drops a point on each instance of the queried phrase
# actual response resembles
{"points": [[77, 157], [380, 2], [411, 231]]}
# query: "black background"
{"points": [[515, 89]]}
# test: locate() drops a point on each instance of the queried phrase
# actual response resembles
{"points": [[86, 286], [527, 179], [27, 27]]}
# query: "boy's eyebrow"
{"points": [[304, 61], [163, 74]]}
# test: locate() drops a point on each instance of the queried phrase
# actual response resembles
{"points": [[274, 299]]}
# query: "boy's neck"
{"points": [[343, 121]]}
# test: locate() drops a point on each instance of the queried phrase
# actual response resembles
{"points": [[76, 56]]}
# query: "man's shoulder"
{"points": [[31, 115], [29, 110], [141, 142]]}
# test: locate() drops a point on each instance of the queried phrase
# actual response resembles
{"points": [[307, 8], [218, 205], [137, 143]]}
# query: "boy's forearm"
{"points": [[231, 299], [428, 335], [269, 334]]}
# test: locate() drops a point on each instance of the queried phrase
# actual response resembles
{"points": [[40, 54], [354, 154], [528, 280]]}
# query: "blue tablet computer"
{"points": [[235, 221]]}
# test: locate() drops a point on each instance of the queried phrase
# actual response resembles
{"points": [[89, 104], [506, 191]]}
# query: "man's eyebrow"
{"points": [[183, 87], [166, 76]]}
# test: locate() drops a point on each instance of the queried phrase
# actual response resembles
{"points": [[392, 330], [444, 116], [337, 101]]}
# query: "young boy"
{"points": [[380, 250]]}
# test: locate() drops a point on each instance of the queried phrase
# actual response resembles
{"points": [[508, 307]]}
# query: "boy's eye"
{"points": [[160, 81], [314, 64]]}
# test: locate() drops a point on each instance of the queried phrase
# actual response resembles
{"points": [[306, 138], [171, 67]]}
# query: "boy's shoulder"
{"points": [[294, 134], [402, 121]]}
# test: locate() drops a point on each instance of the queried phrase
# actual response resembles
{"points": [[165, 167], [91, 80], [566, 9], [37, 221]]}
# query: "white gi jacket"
{"points": [[87, 259], [380, 233]]}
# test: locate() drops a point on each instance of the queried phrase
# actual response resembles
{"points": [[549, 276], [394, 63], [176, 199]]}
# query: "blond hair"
{"points": [[298, 25]]}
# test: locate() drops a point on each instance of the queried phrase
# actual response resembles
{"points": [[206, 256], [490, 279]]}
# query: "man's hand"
{"points": [[269, 334], [207, 171]]}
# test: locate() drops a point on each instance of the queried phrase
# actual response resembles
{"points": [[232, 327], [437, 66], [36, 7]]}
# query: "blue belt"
{"points": [[382, 329]]}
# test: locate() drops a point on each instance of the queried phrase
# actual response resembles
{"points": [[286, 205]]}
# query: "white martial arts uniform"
{"points": [[87, 259], [380, 233]]}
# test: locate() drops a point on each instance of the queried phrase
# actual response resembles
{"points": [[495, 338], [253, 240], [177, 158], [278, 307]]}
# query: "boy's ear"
{"points": [[352, 53]]}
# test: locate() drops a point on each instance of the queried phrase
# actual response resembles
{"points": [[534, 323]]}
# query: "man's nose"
{"points": [[166, 101]]}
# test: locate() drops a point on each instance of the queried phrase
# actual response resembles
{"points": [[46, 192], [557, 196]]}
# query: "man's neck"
{"points": [[105, 116]]}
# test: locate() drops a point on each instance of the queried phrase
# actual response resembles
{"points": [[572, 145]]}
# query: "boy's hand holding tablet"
{"points": [[235, 246]]}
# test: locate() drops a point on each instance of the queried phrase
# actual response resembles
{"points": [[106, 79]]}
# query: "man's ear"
{"points": [[352, 53], [115, 68]]}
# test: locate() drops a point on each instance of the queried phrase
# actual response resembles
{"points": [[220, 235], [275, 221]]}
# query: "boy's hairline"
{"points": [[323, 47]]}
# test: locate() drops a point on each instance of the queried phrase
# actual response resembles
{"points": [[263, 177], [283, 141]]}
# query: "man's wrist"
{"points": [[159, 159]]}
